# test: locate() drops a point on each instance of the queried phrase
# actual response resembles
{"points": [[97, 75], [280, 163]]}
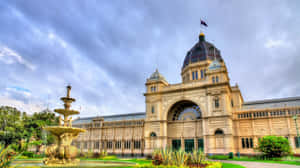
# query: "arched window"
{"points": [[219, 132], [213, 79], [152, 134], [217, 79]]}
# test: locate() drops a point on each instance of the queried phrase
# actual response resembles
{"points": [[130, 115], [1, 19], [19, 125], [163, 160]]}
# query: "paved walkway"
{"points": [[260, 164]]}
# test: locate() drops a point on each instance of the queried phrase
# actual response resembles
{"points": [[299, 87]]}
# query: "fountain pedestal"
{"points": [[63, 153]]}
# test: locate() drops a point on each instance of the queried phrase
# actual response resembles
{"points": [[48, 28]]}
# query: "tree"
{"points": [[18, 128], [34, 127], [11, 129], [274, 146]]}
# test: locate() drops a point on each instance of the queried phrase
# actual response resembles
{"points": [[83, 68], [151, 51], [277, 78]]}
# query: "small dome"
{"points": [[156, 76], [214, 65], [201, 51]]}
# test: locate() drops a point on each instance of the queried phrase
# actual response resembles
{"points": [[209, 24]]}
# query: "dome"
{"points": [[156, 76], [214, 65], [201, 51]]}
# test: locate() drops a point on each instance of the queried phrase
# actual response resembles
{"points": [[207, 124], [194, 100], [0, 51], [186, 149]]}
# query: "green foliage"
{"points": [[178, 157], [11, 127], [230, 155], [219, 157], [18, 129], [197, 157], [28, 154], [274, 146], [7, 155]]}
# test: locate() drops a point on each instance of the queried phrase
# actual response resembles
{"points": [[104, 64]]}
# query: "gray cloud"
{"points": [[107, 49]]}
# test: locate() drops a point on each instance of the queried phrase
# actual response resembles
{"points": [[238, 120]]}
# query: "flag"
{"points": [[203, 23]]}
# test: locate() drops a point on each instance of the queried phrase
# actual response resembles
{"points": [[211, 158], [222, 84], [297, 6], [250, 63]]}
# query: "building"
{"points": [[204, 111]]}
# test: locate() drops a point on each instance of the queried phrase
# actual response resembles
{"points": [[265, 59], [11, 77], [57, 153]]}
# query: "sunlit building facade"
{"points": [[203, 112]]}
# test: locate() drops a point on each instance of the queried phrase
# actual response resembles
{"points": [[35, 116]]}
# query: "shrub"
{"points": [[28, 154], [274, 146], [157, 160], [230, 155], [219, 157], [197, 157], [178, 158], [7, 155], [96, 155]]}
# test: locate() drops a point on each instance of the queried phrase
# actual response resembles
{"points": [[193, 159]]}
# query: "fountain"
{"points": [[63, 153]]}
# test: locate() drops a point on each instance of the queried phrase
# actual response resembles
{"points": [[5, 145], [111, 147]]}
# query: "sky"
{"points": [[107, 49]]}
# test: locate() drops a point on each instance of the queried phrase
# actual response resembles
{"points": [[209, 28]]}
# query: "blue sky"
{"points": [[106, 49]]}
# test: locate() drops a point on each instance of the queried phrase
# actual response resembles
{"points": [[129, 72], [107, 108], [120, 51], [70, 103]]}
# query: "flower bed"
{"points": [[179, 158]]}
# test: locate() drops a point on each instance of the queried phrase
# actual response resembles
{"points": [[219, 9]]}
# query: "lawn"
{"points": [[229, 165], [132, 160], [252, 159]]}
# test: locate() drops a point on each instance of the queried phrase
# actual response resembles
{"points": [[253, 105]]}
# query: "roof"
{"points": [[272, 103], [156, 76], [201, 51], [117, 117]]}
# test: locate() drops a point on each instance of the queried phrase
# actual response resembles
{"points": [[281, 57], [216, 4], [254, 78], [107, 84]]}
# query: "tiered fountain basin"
{"points": [[66, 112], [59, 130]]}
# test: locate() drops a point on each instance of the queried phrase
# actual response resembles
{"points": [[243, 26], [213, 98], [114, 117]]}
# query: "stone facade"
{"points": [[204, 111]]}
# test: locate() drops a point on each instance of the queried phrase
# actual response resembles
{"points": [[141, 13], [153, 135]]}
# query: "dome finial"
{"points": [[201, 36]]}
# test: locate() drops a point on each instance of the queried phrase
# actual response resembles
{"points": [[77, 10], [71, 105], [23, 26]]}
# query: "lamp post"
{"points": [[298, 138]]}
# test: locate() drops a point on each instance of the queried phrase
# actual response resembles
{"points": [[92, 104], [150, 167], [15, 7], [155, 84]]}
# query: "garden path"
{"points": [[260, 164]]}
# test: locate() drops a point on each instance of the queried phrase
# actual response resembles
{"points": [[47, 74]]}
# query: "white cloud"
{"points": [[276, 43], [19, 90], [9, 56], [20, 105], [57, 39]]}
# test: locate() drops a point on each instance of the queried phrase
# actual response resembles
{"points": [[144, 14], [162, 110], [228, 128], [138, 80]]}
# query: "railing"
{"points": [[275, 112]]}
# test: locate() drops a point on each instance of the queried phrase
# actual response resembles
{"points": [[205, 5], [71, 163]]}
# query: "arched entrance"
{"points": [[184, 110], [184, 120]]}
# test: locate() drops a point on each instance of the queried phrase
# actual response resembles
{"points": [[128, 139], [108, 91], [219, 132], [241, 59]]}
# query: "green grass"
{"points": [[229, 165], [252, 159]]}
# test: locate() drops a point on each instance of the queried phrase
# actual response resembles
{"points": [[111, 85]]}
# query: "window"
{"points": [[85, 145], [213, 79], [217, 79], [217, 103], [118, 145], [196, 75], [152, 109], [127, 144], [176, 144], [202, 74], [297, 142], [153, 88], [78, 145], [232, 103], [193, 75], [137, 144], [247, 143], [153, 134], [96, 145], [219, 132], [109, 145]]}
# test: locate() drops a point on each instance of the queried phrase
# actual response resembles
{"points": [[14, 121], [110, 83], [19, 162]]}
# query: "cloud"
{"points": [[9, 56], [107, 49]]}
